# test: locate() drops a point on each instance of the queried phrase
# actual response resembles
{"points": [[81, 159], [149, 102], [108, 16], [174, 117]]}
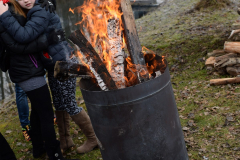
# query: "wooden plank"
{"points": [[132, 40], [93, 60]]}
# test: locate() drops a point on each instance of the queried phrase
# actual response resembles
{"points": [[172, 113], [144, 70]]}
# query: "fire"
{"points": [[96, 17], [71, 10]]}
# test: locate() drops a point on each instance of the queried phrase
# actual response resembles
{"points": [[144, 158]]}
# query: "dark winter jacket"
{"points": [[39, 21], [21, 65]]}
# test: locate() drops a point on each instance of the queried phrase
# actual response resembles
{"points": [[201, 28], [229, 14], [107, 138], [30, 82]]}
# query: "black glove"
{"points": [[56, 36], [42, 42], [48, 4]]}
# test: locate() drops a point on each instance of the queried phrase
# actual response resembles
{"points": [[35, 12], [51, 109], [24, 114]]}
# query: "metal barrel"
{"points": [[136, 123]]}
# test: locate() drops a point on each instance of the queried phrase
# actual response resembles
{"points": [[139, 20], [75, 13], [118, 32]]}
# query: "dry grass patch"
{"points": [[212, 3]]}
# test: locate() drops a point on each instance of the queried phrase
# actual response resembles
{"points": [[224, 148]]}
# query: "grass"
{"points": [[209, 114], [11, 129]]}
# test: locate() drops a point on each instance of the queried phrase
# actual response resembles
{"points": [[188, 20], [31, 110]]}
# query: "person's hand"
{"points": [[56, 36], [3, 7], [48, 4]]}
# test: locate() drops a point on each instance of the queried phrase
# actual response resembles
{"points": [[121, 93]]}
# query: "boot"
{"points": [[63, 123], [83, 121], [54, 152]]}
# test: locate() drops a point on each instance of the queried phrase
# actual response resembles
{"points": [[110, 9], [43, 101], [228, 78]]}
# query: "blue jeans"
{"points": [[22, 106]]}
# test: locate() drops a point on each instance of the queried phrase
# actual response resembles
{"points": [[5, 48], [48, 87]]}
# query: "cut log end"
{"points": [[233, 47]]}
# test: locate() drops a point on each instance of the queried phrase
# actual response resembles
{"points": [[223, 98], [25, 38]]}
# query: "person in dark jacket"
{"points": [[6, 151], [26, 69], [40, 21]]}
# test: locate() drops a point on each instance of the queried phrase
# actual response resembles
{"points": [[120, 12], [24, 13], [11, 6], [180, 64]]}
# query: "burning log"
{"points": [[223, 81], [116, 53], [93, 60], [132, 40], [232, 47], [64, 70]]}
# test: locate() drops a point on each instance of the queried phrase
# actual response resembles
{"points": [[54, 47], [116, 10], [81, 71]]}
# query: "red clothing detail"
{"points": [[46, 55]]}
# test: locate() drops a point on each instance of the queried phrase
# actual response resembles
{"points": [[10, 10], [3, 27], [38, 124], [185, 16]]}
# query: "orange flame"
{"points": [[96, 14], [95, 17], [71, 10]]}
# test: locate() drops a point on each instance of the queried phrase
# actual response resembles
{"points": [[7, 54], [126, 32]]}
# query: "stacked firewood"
{"points": [[226, 61]]}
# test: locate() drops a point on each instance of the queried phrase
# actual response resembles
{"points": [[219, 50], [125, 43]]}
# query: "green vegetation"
{"points": [[209, 114]]}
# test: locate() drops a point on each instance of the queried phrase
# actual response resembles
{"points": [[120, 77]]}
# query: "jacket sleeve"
{"points": [[36, 24], [37, 45], [2, 48]]}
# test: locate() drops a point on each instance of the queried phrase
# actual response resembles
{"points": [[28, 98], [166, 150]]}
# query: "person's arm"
{"points": [[34, 27], [39, 44]]}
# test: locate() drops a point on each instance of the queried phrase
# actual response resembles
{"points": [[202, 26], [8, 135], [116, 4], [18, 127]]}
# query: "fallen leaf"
{"points": [[8, 131]]}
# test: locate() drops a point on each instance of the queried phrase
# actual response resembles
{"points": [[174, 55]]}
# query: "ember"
{"points": [[110, 32]]}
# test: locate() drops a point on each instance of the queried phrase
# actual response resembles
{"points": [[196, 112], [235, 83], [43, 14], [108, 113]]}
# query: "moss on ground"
{"points": [[209, 114]]}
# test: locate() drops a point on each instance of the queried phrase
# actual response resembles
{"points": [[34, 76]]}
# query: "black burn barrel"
{"points": [[136, 123]]}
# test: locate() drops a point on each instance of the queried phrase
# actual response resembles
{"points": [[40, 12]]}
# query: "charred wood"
{"points": [[63, 70], [132, 41], [96, 65]]}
